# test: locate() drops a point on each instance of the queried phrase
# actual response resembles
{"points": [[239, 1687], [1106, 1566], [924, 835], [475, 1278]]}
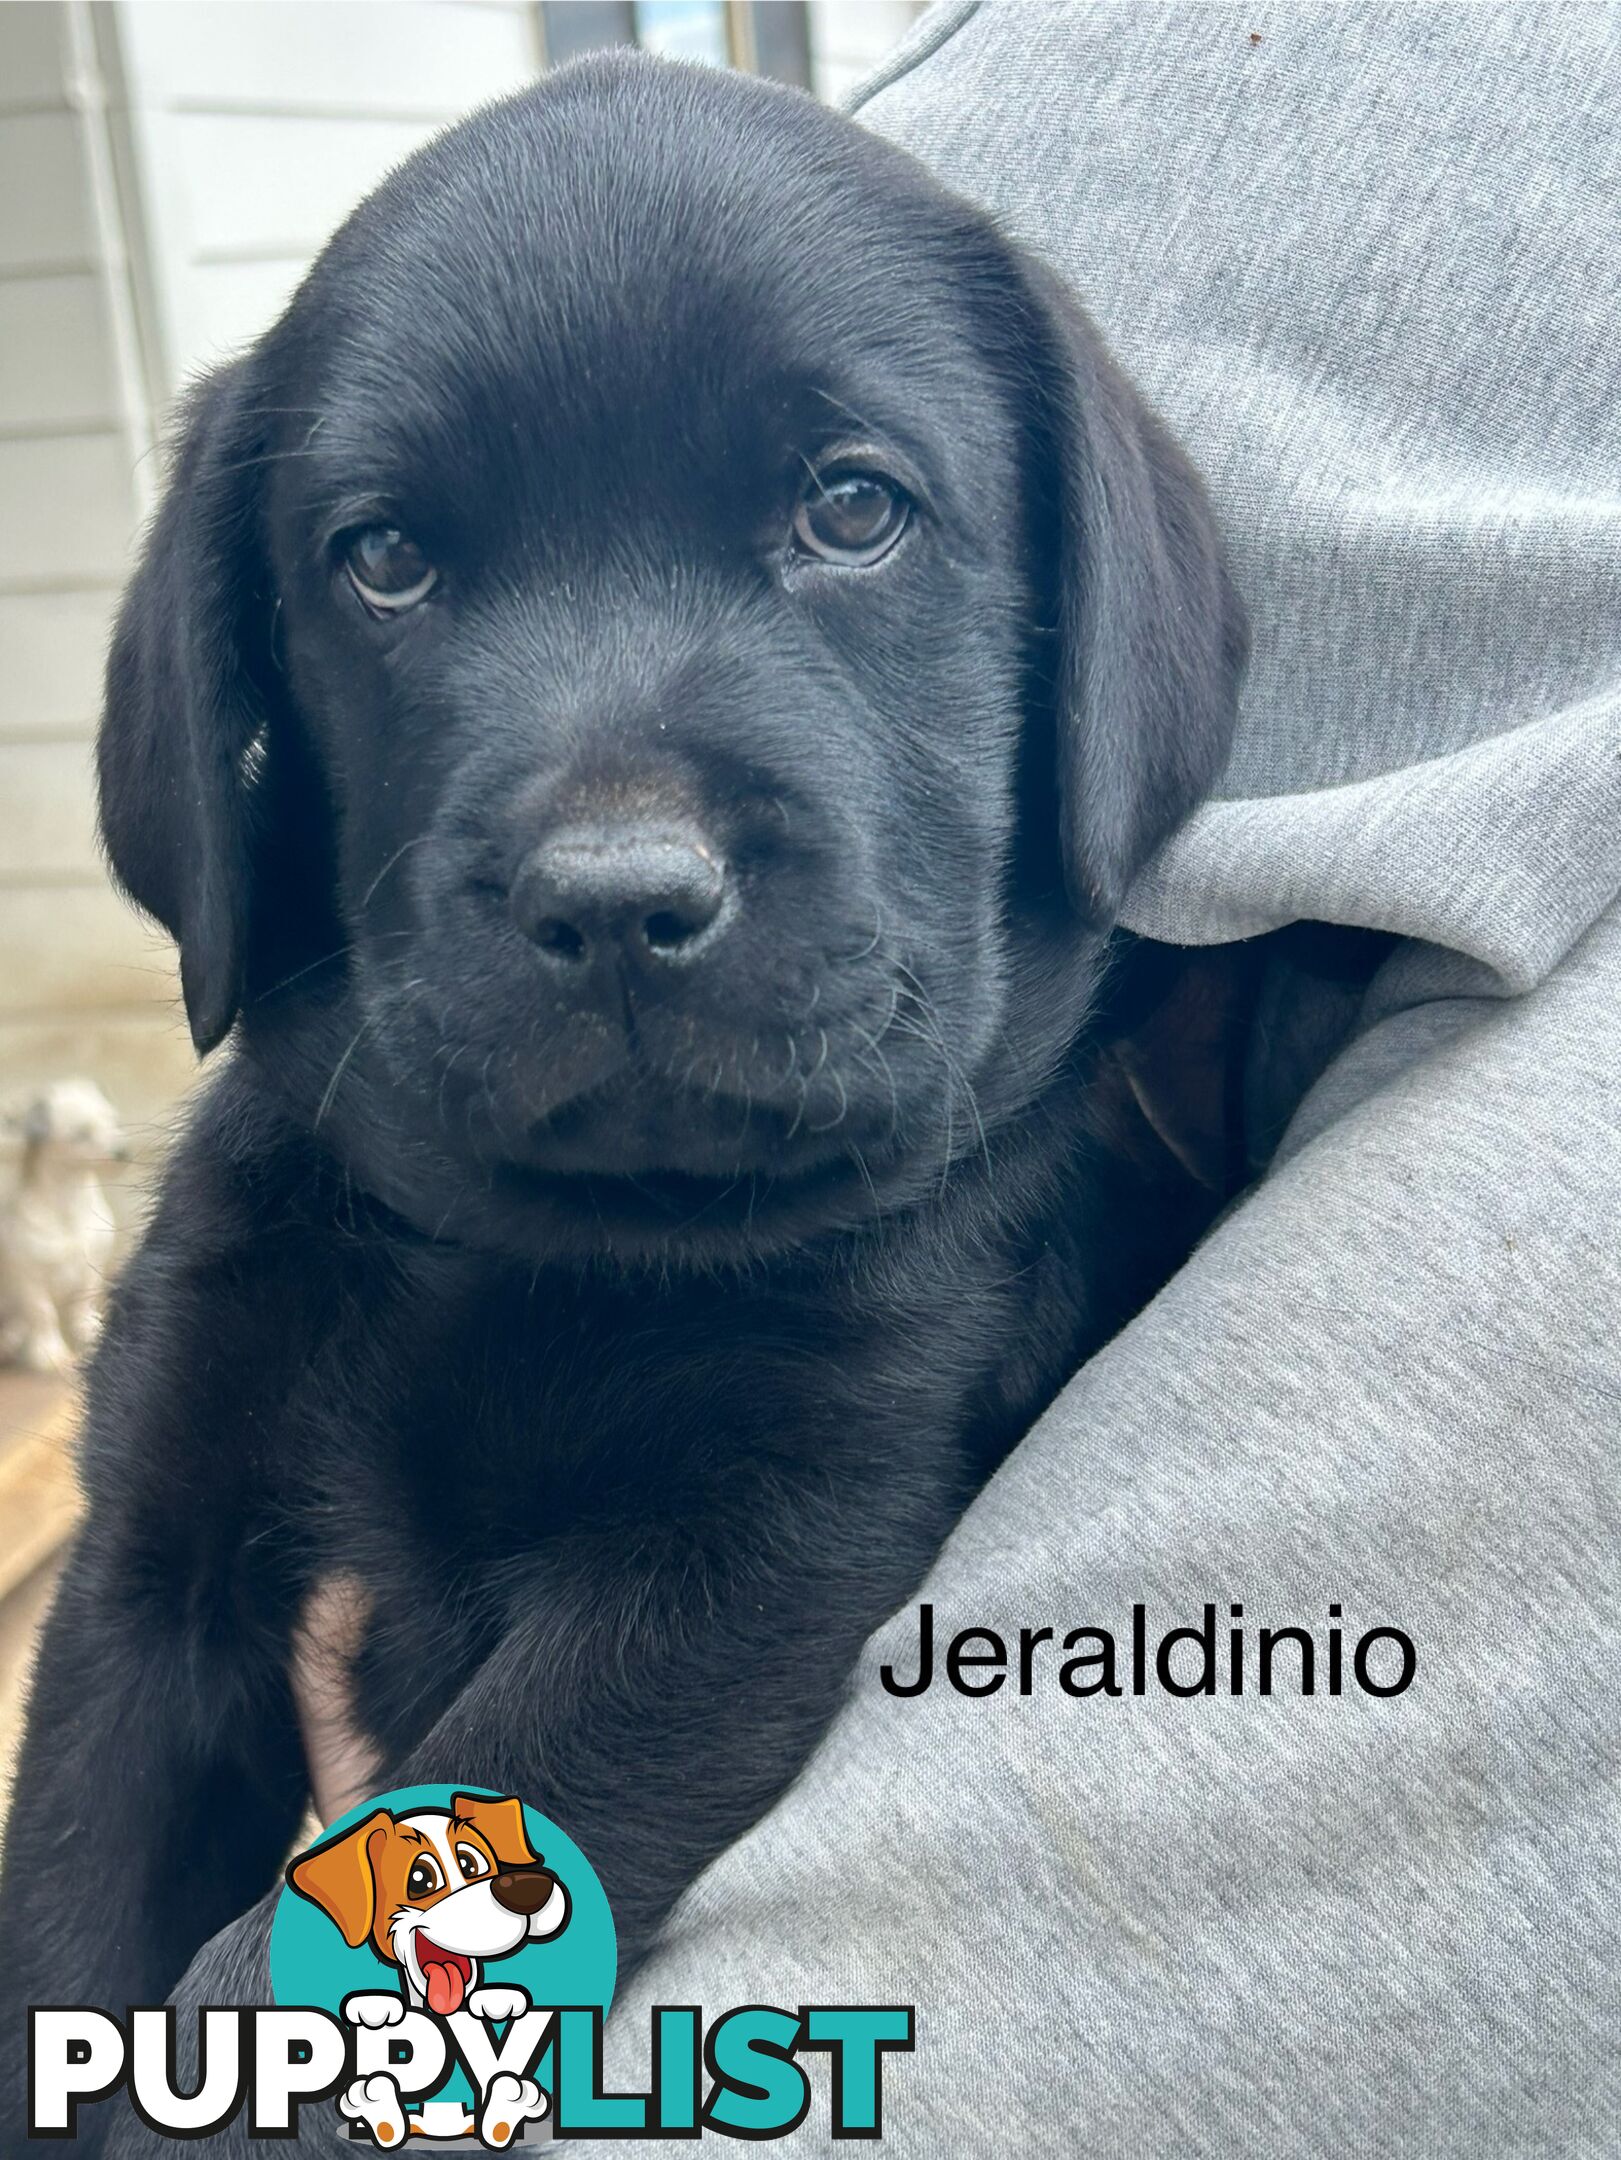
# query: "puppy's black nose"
{"points": [[652, 891]]}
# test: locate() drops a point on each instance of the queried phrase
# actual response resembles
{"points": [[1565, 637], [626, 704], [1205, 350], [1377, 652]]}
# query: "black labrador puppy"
{"points": [[639, 706]]}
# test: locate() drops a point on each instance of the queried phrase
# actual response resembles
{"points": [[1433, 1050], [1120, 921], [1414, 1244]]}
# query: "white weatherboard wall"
{"points": [[82, 986], [256, 127], [167, 171]]}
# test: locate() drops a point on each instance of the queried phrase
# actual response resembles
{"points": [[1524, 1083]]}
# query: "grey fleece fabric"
{"points": [[1364, 258]]}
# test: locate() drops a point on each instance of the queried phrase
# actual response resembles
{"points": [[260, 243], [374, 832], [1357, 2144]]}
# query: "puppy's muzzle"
{"points": [[654, 896], [522, 1890]]}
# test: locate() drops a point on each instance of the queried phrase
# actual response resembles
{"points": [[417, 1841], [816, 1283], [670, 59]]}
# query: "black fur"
{"points": [[638, 1350]]}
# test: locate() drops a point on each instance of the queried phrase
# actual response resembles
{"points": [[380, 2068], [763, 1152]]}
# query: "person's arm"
{"points": [[1144, 1924]]}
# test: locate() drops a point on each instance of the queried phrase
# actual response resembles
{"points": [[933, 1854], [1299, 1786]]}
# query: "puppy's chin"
{"points": [[732, 1192], [644, 1126], [677, 1218], [663, 1220], [643, 1173]]}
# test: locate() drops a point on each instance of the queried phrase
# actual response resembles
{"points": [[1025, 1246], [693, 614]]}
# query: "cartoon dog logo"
{"points": [[438, 1894]]}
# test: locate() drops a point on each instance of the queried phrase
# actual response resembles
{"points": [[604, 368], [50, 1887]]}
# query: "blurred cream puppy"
{"points": [[56, 1230]]}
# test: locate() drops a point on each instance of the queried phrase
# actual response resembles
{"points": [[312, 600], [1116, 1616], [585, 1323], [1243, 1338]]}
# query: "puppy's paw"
{"points": [[373, 2011], [375, 2101], [508, 2105], [496, 2004]]}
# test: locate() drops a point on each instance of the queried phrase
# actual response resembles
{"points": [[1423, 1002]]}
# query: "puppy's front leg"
{"points": [[662, 1681], [152, 1804], [161, 1780]]}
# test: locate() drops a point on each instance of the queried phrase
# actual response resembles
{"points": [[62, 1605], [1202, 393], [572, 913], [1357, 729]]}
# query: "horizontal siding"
{"points": [[85, 987], [48, 834], [142, 1061], [217, 308], [51, 653], [337, 56], [56, 354], [43, 183], [33, 55], [260, 127], [80, 511], [71, 951], [257, 185]]}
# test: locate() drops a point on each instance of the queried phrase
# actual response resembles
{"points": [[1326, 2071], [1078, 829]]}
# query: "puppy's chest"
{"points": [[530, 1445], [523, 1418]]}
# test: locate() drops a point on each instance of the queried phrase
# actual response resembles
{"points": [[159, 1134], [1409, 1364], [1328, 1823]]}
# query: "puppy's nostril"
{"points": [[559, 938], [668, 929]]}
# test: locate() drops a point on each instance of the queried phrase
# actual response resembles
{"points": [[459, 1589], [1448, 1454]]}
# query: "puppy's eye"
{"points": [[471, 1862], [850, 517], [424, 1878], [388, 569]]}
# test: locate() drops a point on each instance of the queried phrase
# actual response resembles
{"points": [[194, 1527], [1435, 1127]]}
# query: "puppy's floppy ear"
{"points": [[186, 702], [339, 1877], [501, 1825], [1186, 1017], [1149, 633]]}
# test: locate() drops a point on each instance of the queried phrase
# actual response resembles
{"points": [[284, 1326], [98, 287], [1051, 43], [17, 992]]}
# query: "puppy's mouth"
{"points": [[659, 1164], [446, 1976], [640, 1124]]}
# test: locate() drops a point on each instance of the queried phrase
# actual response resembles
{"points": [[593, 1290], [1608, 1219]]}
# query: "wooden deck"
{"points": [[38, 1507]]}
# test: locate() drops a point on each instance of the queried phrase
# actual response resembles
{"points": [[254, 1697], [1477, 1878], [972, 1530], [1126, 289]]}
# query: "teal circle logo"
{"points": [[465, 1906]]}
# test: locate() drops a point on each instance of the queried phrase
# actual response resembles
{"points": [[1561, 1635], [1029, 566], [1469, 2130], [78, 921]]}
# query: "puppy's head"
{"points": [[71, 1122], [650, 682], [436, 1892]]}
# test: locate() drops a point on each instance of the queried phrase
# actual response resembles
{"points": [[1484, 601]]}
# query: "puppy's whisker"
{"points": [[849, 411], [455, 1056], [402, 850], [340, 1069], [925, 1029], [882, 1064], [713, 1201], [807, 1083], [888, 1020], [844, 1104], [815, 477], [268, 457], [956, 1078], [860, 1162], [748, 1110], [339, 952], [484, 1090], [871, 946]]}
